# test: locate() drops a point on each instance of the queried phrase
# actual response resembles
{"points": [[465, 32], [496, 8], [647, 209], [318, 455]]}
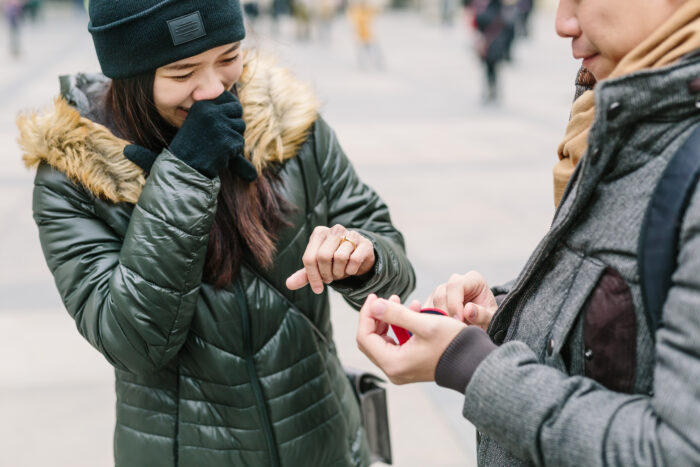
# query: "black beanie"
{"points": [[135, 36]]}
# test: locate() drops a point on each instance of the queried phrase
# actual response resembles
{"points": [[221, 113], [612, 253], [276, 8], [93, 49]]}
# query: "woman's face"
{"points": [[604, 31], [180, 84]]}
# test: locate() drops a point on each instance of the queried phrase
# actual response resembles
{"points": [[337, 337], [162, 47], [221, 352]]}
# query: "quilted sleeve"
{"points": [[132, 298], [356, 206]]}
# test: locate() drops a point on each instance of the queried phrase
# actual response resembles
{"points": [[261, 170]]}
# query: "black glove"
{"points": [[211, 134], [210, 138]]}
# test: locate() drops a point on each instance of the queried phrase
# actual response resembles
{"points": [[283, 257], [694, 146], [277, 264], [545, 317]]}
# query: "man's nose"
{"points": [[566, 23]]}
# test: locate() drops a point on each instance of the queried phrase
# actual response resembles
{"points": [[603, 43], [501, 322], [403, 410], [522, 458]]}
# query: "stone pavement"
{"points": [[470, 187]]}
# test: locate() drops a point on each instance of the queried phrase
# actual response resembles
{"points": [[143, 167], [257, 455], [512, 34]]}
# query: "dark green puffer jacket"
{"points": [[243, 376]]}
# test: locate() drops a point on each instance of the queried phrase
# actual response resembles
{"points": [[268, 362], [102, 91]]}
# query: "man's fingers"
{"points": [[440, 297], [297, 280], [370, 338], [415, 306], [454, 293], [428, 303], [477, 315], [399, 315]]}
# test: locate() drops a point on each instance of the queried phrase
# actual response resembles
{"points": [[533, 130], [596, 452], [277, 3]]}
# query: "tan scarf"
{"points": [[678, 36]]}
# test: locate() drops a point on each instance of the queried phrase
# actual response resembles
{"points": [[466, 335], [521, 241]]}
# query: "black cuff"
{"points": [[464, 354]]}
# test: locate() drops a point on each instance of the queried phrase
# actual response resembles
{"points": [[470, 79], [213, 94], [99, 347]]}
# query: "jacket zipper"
{"points": [[255, 381]]}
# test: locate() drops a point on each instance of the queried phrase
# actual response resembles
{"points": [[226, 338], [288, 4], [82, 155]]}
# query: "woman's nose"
{"points": [[566, 23], [209, 87]]}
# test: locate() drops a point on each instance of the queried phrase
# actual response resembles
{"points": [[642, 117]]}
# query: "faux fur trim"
{"points": [[88, 153], [279, 111]]}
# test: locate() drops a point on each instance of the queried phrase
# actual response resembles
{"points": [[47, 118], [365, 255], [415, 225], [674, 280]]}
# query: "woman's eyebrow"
{"points": [[184, 66], [234, 47], [180, 66]]}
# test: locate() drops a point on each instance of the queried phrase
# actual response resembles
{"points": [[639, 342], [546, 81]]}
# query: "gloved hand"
{"points": [[210, 138]]}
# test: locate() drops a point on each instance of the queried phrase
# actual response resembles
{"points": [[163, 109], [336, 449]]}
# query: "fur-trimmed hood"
{"points": [[278, 110]]}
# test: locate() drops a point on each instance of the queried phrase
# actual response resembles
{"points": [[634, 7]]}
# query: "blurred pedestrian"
{"points": [[574, 363], [524, 10], [446, 12], [362, 15], [279, 8], [495, 25], [251, 8], [326, 11], [194, 243], [301, 10], [12, 10], [79, 6], [31, 9]]}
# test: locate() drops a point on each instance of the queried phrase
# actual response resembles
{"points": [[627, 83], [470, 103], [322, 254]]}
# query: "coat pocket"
{"points": [[610, 334]]}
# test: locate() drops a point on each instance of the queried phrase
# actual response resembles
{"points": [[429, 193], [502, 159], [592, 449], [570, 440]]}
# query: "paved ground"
{"points": [[470, 187]]}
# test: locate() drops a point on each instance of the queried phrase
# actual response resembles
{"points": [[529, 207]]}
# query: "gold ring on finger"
{"points": [[346, 239]]}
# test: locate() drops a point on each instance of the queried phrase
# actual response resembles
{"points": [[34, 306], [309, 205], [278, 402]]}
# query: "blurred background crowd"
{"points": [[496, 24]]}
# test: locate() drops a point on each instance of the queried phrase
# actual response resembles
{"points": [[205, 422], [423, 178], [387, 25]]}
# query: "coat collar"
{"points": [[279, 111], [663, 94]]}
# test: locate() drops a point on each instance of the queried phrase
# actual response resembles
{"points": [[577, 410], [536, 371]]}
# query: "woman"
{"points": [[181, 225], [570, 371]]}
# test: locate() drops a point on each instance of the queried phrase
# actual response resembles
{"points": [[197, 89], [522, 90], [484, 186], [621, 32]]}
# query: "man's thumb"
{"points": [[477, 314], [397, 314]]}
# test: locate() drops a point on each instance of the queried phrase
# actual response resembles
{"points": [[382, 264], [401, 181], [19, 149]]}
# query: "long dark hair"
{"points": [[248, 216]]}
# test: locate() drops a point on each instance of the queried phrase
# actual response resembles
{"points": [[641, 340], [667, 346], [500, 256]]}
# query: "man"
{"points": [[569, 370]]}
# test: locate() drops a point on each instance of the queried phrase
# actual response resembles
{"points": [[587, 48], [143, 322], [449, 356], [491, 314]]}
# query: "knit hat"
{"points": [[135, 36]]}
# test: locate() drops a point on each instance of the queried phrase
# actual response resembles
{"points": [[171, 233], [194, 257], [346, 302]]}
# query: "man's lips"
{"points": [[582, 48], [584, 55]]}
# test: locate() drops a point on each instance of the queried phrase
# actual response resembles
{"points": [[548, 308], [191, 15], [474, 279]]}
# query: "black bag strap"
{"points": [[659, 239]]}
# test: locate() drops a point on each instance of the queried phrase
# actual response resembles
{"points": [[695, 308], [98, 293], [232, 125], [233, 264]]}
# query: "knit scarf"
{"points": [[678, 36]]}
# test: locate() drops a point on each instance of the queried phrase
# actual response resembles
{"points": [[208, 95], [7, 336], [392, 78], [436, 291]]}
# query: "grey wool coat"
{"points": [[578, 378]]}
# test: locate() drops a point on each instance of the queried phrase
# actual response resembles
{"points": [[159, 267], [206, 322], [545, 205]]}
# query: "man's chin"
{"points": [[599, 67]]}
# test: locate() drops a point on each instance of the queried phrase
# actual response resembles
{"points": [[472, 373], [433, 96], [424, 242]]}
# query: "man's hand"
{"points": [[466, 297], [415, 360]]}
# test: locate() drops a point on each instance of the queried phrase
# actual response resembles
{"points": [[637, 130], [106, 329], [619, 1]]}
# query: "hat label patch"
{"points": [[186, 28]]}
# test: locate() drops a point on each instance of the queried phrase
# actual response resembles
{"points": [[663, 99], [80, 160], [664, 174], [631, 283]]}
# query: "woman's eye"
{"points": [[183, 77], [230, 60]]}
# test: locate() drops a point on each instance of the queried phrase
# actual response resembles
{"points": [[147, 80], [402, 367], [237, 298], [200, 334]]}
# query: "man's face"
{"points": [[604, 31]]}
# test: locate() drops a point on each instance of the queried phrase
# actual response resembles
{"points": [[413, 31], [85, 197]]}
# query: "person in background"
{"points": [[194, 209], [251, 8], [524, 10], [32, 9], [565, 366], [12, 10], [362, 14], [326, 11], [279, 8], [494, 21], [302, 12]]}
